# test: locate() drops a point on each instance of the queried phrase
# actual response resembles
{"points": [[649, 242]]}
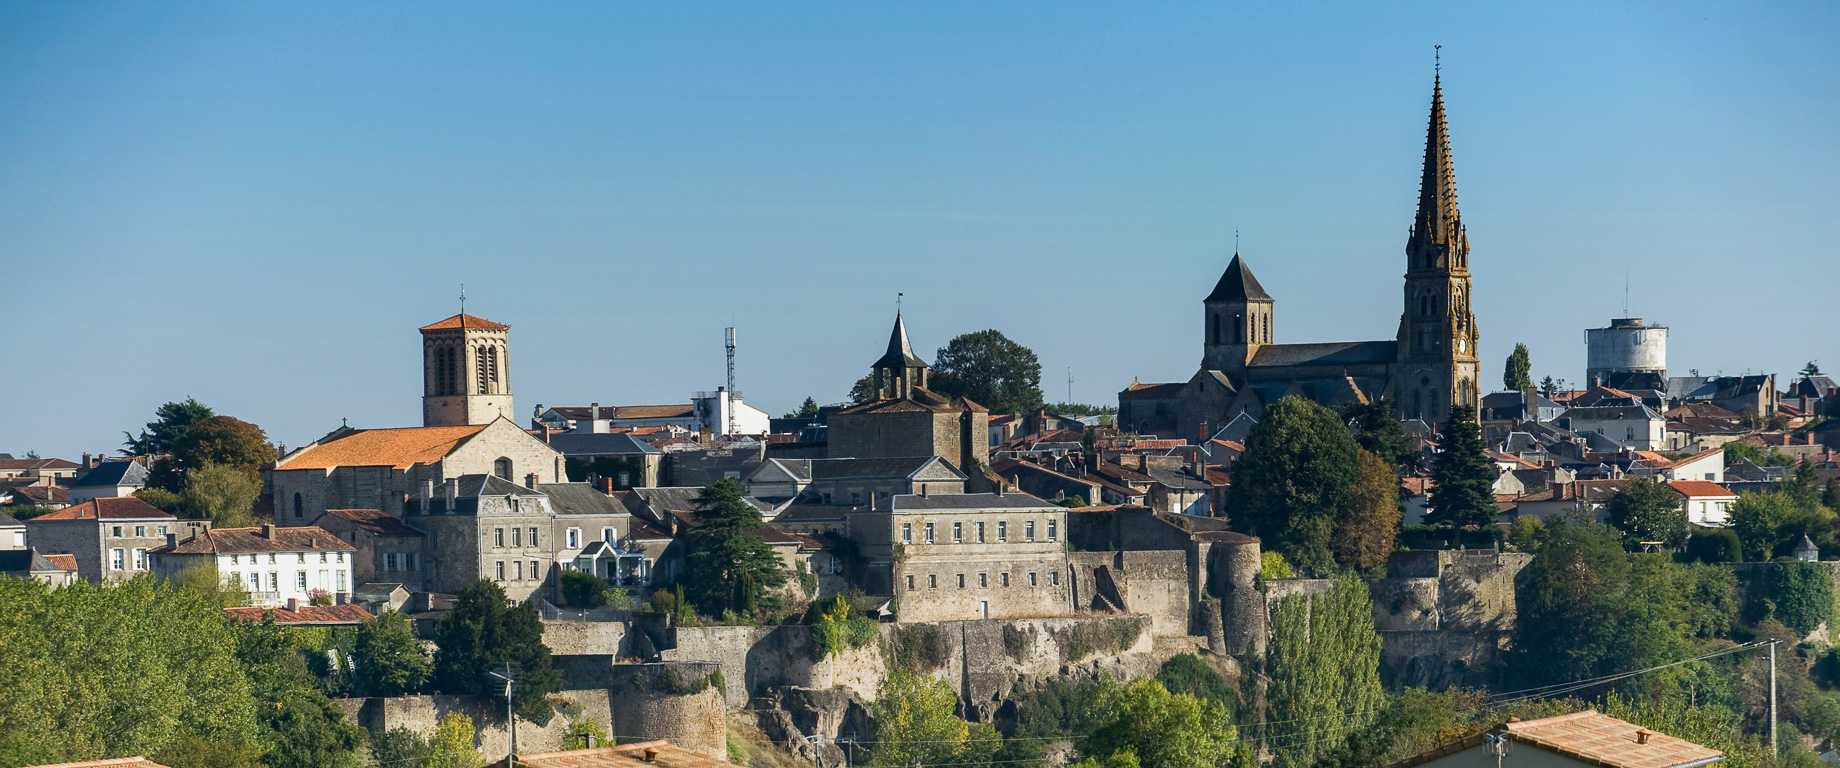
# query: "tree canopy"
{"points": [[170, 422], [1646, 510], [806, 410], [223, 494], [1366, 530], [1463, 480], [485, 631], [1517, 376], [990, 370], [1324, 665], [223, 441], [390, 658], [1587, 608], [1294, 480], [1378, 430], [1159, 729], [916, 725], [730, 566]]}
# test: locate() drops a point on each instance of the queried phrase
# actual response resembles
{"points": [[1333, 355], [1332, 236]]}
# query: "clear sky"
{"points": [[257, 203]]}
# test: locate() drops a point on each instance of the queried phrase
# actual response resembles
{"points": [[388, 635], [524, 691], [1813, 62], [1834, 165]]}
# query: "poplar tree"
{"points": [[1324, 666], [1518, 376], [1463, 492]]}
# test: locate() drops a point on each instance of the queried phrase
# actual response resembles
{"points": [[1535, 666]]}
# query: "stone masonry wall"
{"points": [[422, 713]]}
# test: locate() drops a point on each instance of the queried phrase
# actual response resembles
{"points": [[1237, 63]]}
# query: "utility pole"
{"points": [[1773, 699], [511, 760]]}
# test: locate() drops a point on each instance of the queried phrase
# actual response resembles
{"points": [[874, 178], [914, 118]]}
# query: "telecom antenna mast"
{"points": [[730, 344]]}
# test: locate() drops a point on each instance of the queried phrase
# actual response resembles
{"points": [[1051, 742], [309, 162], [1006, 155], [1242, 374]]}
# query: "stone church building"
{"points": [[904, 418], [1427, 367]]}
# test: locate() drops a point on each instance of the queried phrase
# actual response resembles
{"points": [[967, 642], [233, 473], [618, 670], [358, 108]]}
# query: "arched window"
{"points": [[1215, 327], [1238, 336], [299, 509], [502, 468]]}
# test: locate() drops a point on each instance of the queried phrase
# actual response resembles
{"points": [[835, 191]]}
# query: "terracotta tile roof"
{"points": [[398, 448], [306, 614], [119, 762], [65, 562], [39, 494], [454, 322], [1700, 488], [668, 755], [374, 521], [1608, 741], [122, 508], [228, 541]]}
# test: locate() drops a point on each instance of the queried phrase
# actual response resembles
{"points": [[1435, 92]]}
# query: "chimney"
{"points": [[293, 604], [450, 490], [594, 410], [546, 433], [606, 484], [651, 754], [86, 462], [426, 495], [1000, 484], [172, 540], [923, 490], [538, 413], [268, 531], [587, 741], [530, 481], [1531, 409], [1642, 735]]}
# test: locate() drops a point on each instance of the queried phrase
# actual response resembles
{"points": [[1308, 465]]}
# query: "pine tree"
{"points": [[1518, 376], [1378, 430], [1463, 491], [726, 551], [485, 631], [1548, 387]]}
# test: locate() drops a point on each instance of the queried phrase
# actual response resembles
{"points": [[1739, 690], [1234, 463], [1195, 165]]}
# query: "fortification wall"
{"points": [[586, 638], [422, 713]]}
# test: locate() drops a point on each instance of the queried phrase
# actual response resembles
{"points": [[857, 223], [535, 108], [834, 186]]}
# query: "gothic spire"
{"points": [[900, 352], [1438, 227]]}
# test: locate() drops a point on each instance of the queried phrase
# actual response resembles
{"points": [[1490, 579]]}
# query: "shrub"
{"points": [[581, 589], [1273, 565], [1803, 593], [1714, 545]]}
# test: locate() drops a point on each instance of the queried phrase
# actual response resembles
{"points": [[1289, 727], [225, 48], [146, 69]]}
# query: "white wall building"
{"points": [[274, 564]]}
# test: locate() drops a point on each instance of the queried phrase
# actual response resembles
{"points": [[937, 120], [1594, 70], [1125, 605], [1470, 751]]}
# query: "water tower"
{"points": [[1626, 347]]}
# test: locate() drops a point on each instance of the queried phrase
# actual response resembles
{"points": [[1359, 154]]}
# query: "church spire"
{"points": [[1438, 239], [899, 371], [900, 352]]}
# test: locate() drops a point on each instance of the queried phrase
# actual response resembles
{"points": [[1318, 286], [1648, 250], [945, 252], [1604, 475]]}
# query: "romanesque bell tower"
{"points": [[466, 372], [1437, 332], [1237, 318]]}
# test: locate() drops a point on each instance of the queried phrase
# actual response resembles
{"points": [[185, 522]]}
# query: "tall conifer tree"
{"points": [[1463, 494]]}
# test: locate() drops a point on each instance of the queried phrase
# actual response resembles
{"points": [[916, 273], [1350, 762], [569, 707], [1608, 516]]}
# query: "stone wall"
{"points": [[422, 713], [591, 638]]}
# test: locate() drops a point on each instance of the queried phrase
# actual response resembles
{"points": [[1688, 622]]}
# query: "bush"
{"points": [[1189, 674], [1803, 593], [1273, 566], [1714, 545], [581, 589]]}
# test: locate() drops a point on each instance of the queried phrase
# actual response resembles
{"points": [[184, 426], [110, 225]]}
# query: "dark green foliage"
{"points": [[730, 565], [1324, 665], [1714, 545], [223, 441], [839, 627], [1080, 409], [1762, 457], [1548, 387], [1803, 594], [399, 747], [1518, 374], [1463, 480], [1378, 430], [170, 423], [1773, 522], [1294, 479], [990, 370], [1188, 673], [608, 467], [806, 410], [1587, 608], [1416, 721], [390, 659], [1063, 707], [1710, 599], [309, 731], [485, 631], [190, 751], [1646, 510], [581, 589]]}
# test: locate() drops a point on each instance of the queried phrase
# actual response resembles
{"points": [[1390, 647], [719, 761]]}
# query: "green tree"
{"points": [[581, 589], [224, 441], [1587, 608], [484, 631], [399, 747], [300, 726], [1646, 510], [1324, 665], [1811, 369], [1518, 376], [1368, 526], [1160, 729], [1548, 387], [1378, 430], [730, 564], [1188, 673], [915, 725], [208, 583], [170, 423], [1294, 479], [585, 732], [223, 494], [390, 658], [166, 501], [807, 410], [1760, 519], [863, 390], [188, 750], [451, 746], [990, 370], [1463, 481]]}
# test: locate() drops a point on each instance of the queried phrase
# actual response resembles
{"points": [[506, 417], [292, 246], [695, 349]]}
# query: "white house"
{"points": [[1707, 466], [274, 564], [706, 411], [1706, 503]]}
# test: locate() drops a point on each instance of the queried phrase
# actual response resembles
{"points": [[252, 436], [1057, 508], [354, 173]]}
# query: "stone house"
{"points": [[275, 564], [109, 537], [851, 482], [484, 527], [381, 468], [590, 456], [54, 570], [596, 533], [12, 533], [388, 550], [52, 470], [948, 557], [1628, 423], [109, 479]]}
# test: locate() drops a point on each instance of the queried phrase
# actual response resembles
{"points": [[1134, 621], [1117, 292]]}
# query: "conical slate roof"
{"points": [[1238, 284], [900, 353]]}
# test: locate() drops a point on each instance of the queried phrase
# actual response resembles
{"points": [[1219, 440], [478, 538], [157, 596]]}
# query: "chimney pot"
{"points": [[531, 481], [268, 531], [1642, 735], [651, 754], [594, 410]]}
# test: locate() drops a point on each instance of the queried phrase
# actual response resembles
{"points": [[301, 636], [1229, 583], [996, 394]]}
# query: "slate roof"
{"points": [[306, 614], [30, 561], [599, 444], [1326, 353], [937, 501], [900, 352], [122, 508], [227, 541], [802, 513], [399, 448], [1139, 390], [582, 499], [468, 321], [375, 522], [1630, 412], [839, 469], [923, 400], [1238, 284], [113, 473]]}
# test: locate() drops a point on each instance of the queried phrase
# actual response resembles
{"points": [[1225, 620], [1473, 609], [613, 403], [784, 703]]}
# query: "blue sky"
{"points": [[256, 204]]}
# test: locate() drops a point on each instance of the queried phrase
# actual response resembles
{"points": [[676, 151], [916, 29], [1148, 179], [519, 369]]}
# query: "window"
{"points": [[274, 581], [389, 561], [625, 478], [1055, 578], [300, 580], [162, 530], [1028, 531], [983, 580], [339, 558], [1002, 530], [516, 539], [607, 535], [411, 561], [517, 570], [234, 557], [980, 533], [298, 507], [574, 538], [498, 537], [961, 581], [140, 559], [929, 533], [118, 560], [1052, 524], [836, 564], [140, 531], [533, 537], [958, 533], [910, 581], [115, 531], [341, 581], [502, 468], [300, 557], [322, 557], [535, 572], [501, 570], [1003, 578], [932, 581], [855, 497], [907, 533], [1031, 578]]}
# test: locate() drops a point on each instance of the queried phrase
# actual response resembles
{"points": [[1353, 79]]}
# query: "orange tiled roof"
{"points": [[118, 762], [399, 448], [268, 538], [1607, 741], [1699, 488], [478, 323], [667, 755], [118, 508], [65, 562], [307, 614]]}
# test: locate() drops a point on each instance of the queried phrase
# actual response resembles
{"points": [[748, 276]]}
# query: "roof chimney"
{"points": [[530, 481], [268, 531], [1000, 483], [293, 604], [1642, 735], [606, 484], [651, 754], [172, 540], [923, 490], [450, 490], [546, 433], [594, 410], [86, 462]]}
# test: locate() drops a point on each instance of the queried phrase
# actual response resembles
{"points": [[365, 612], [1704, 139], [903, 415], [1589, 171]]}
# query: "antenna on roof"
{"points": [[1236, 241], [1069, 383]]}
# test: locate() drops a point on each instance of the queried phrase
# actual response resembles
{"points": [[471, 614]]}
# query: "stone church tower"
{"points": [[466, 372], [1237, 318], [1437, 332]]}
